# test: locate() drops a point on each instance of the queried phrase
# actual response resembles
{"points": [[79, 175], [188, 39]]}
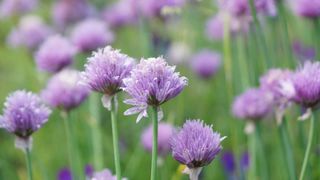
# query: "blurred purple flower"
{"points": [[104, 175], [152, 82], [64, 91], [228, 162], [16, 7], [214, 27], [165, 132], [206, 63], [31, 32], [88, 170], [195, 146], [306, 8], [245, 161], [65, 174], [24, 113], [121, 13], [254, 104], [55, 54], [151, 8], [306, 82], [91, 34], [303, 52], [67, 12]]}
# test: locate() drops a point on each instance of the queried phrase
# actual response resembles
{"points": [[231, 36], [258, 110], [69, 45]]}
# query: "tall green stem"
{"points": [[154, 143], [287, 149], [115, 137], [307, 153], [70, 141], [29, 164], [253, 157], [262, 155]]}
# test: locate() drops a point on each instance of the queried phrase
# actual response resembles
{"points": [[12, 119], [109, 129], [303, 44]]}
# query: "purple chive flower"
{"points": [[91, 34], [195, 146], [88, 170], [228, 162], [302, 51], [151, 8], [55, 54], [64, 91], [214, 27], [105, 71], [24, 113], [121, 13], [66, 12], [65, 174], [205, 63], [306, 8], [165, 132], [16, 7], [103, 175], [152, 82], [254, 104], [31, 32], [306, 83], [245, 161]]}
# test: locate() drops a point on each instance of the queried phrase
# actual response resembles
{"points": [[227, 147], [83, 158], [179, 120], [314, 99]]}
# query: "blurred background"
{"points": [[235, 47]]}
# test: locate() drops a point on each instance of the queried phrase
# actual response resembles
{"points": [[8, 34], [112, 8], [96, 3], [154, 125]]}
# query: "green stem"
{"points": [[154, 143], [115, 138], [287, 149], [307, 153], [96, 132], [262, 155], [29, 164], [70, 141], [253, 157]]}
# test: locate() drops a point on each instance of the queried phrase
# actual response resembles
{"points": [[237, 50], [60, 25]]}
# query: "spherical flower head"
{"points": [[55, 54], [121, 13], [306, 8], [64, 174], [196, 144], [16, 7], [152, 82], [228, 162], [70, 11], [64, 90], [103, 175], [30, 33], [24, 113], [273, 82], [302, 51], [165, 132], [306, 82], [214, 27], [205, 63], [106, 69], [91, 34], [254, 104]]}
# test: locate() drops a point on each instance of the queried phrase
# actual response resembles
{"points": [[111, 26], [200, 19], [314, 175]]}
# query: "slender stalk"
{"points": [[154, 143], [287, 149], [115, 138], [29, 164], [253, 158], [307, 153], [262, 155], [96, 132], [71, 152]]}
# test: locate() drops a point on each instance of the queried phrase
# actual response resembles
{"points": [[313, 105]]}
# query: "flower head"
{"points": [[151, 8], [103, 175], [31, 32], [24, 113], [228, 162], [306, 8], [165, 132], [48, 58], [64, 91], [64, 174], [306, 82], [205, 63], [196, 144], [254, 104], [302, 51], [106, 69], [91, 34], [152, 82]]}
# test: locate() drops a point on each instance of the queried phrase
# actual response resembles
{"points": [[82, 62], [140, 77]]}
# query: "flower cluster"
{"points": [[205, 63]]}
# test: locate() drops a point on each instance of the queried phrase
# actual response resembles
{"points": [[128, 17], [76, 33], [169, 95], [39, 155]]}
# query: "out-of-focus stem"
{"points": [[253, 156], [262, 155], [307, 153], [154, 143], [29, 163], [115, 137]]}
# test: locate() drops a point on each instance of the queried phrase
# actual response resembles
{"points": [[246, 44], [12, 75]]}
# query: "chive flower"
{"points": [[152, 83], [206, 63], [24, 113], [195, 146], [16, 7]]}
